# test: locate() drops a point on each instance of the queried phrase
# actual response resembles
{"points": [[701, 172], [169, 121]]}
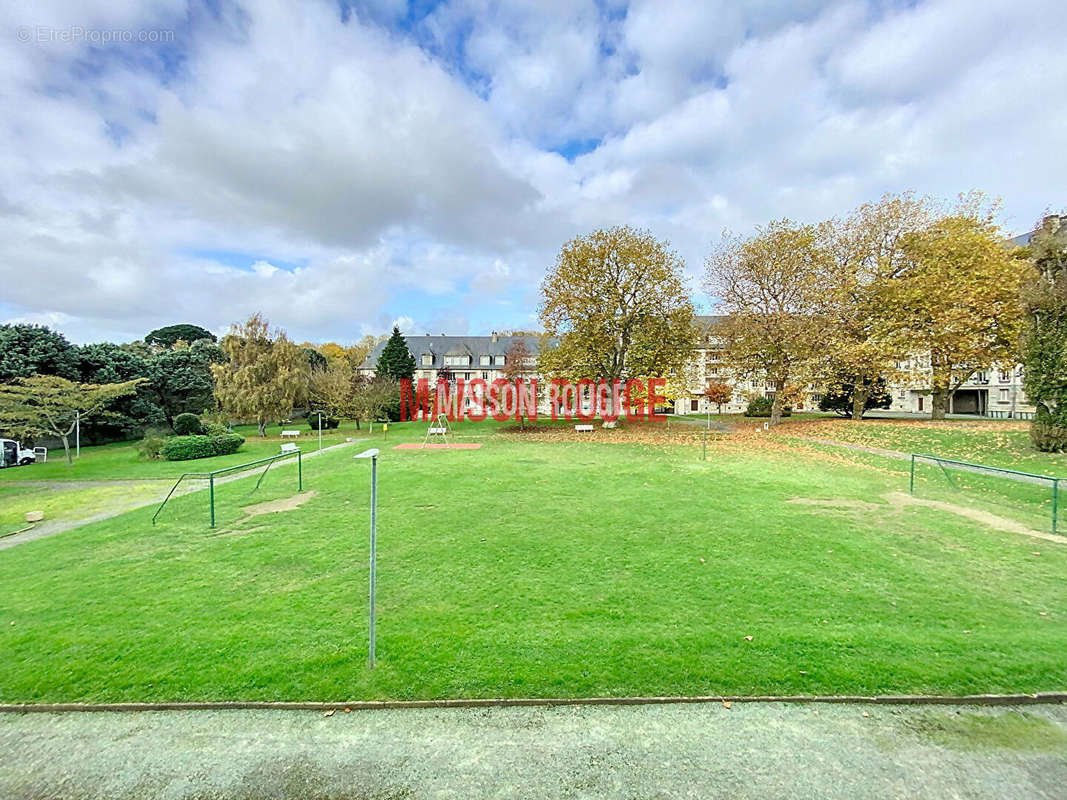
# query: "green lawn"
{"points": [[67, 504], [538, 568], [992, 442], [121, 461]]}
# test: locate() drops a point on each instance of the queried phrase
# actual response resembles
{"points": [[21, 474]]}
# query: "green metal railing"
{"points": [[210, 477], [1011, 474]]}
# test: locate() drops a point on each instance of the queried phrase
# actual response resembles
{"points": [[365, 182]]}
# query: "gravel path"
{"points": [[47, 528], [752, 750]]}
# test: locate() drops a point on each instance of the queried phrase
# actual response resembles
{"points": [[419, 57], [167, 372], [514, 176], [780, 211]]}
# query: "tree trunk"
{"points": [[357, 424], [262, 427], [859, 401], [776, 406], [938, 402], [66, 449]]}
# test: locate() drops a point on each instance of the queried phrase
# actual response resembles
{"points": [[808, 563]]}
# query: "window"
{"points": [[483, 361], [901, 395], [1005, 376], [500, 361], [1005, 395], [457, 361], [694, 405], [427, 360], [485, 376]]}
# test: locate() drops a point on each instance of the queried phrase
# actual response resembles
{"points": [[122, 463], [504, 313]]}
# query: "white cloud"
{"points": [[337, 176]]}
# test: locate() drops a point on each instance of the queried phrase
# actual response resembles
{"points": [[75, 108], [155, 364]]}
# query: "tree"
{"points": [[316, 361], [516, 367], [167, 336], [27, 350], [181, 380], [958, 300], [265, 376], [110, 363], [616, 307], [718, 393], [838, 395], [373, 397], [768, 287], [357, 353], [396, 361], [866, 251], [1044, 339], [332, 390], [50, 405]]}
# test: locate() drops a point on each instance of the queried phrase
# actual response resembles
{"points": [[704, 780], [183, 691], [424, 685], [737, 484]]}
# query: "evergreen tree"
{"points": [[396, 361], [1044, 345]]}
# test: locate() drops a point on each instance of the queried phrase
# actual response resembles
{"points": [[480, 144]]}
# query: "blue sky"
{"points": [[342, 166]]}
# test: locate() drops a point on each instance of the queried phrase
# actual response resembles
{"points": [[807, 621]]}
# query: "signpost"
{"points": [[372, 454]]}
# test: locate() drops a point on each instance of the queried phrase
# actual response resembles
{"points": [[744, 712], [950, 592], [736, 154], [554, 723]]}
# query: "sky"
{"points": [[344, 166]]}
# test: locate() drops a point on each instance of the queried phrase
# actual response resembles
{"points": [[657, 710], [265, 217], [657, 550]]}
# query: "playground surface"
{"points": [[750, 750]]}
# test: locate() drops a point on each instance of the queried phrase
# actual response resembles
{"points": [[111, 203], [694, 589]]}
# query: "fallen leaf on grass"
{"points": [[866, 714], [329, 713], [748, 638], [726, 703]]}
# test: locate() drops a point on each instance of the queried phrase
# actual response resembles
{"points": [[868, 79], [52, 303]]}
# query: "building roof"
{"points": [[440, 346]]}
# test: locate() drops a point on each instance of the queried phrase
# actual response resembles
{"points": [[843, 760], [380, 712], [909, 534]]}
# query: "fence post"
{"points": [[911, 482], [1055, 502], [211, 496], [299, 472]]}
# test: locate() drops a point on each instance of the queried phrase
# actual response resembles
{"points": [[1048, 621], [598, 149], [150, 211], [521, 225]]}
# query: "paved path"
{"points": [[44, 529], [862, 448], [752, 750]]}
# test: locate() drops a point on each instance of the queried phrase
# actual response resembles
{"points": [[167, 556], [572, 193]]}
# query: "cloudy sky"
{"points": [[339, 166]]}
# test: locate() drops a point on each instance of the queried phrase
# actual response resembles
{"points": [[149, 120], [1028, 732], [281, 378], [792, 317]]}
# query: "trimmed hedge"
{"points": [[186, 448], [328, 423], [761, 407]]}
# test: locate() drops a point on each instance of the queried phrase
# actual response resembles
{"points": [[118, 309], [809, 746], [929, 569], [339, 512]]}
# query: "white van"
{"points": [[12, 454]]}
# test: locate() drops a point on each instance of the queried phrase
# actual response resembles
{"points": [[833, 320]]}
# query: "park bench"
{"points": [[289, 447], [583, 428], [294, 434]]}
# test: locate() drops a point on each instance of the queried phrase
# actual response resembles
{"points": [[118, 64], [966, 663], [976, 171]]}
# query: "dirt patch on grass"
{"points": [[900, 500], [274, 507]]}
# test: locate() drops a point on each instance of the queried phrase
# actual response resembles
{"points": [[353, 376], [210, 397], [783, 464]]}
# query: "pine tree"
{"points": [[396, 361]]}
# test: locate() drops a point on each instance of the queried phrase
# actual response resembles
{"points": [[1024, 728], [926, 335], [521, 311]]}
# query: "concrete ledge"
{"points": [[368, 705]]}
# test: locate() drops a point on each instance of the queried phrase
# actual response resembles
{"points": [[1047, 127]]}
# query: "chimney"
{"points": [[494, 337]]}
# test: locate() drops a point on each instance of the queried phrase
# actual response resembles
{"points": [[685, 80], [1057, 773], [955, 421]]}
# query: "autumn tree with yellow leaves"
{"points": [[265, 374], [616, 306], [956, 299], [768, 287]]}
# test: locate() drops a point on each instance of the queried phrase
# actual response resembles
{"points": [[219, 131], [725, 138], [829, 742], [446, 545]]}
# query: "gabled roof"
{"points": [[440, 346]]}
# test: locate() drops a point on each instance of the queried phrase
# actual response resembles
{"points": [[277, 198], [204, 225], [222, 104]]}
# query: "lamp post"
{"points": [[372, 454], [320, 428], [77, 434]]}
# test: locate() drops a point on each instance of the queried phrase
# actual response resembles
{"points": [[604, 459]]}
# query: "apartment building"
{"points": [[466, 357], [991, 392]]}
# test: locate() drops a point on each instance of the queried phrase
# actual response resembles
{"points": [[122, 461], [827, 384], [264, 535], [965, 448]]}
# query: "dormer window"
{"points": [[427, 360], [500, 361], [483, 361], [457, 361]]}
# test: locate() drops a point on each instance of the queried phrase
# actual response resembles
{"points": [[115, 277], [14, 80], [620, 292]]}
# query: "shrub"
{"points": [[761, 407], [215, 428], [187, 425], [328, 423], [186, 448], [151, 447], [1046, 432]]}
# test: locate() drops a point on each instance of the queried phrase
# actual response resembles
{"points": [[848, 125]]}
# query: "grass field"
{"points": [[541, 565], [121, 461]]}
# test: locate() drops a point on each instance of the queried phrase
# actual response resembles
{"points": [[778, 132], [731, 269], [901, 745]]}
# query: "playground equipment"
{"points": [[439, 427], [210, 477]]}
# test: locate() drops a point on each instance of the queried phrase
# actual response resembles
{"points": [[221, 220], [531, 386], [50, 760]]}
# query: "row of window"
{"points": [[465, 361]]}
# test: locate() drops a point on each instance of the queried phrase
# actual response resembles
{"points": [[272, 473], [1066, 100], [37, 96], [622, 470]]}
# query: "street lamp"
{"points": [[320, 428], [372, 454]]}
